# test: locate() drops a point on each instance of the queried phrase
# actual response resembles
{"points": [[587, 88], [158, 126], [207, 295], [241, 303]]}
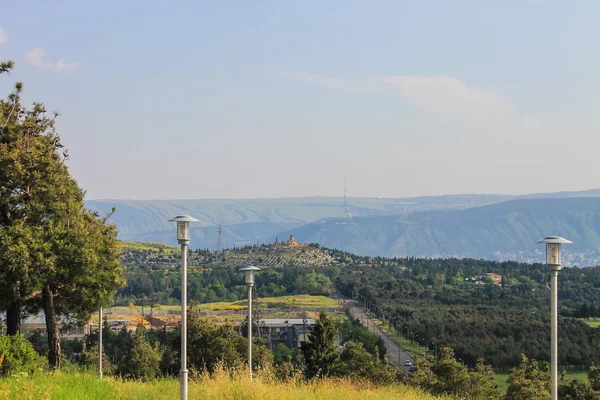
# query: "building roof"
{"points": [[286, 322]]}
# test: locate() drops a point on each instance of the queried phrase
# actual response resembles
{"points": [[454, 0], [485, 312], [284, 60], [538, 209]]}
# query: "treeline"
{"points": [[147, 354], [432, 301], [153, 277]]}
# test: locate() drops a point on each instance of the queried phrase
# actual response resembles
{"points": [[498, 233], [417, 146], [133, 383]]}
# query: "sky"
{"points": [[258, 99]]}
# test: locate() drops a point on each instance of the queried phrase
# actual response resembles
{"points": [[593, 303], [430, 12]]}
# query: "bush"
{"points": [[17, 355], [90, 360], [143, 360]]}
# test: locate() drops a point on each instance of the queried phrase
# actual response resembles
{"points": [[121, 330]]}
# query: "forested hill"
{"points": [[443, 302], [502, 231]]}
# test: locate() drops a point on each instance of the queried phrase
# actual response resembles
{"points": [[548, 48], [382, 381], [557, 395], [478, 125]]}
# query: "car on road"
{"points": [[408, 363]]}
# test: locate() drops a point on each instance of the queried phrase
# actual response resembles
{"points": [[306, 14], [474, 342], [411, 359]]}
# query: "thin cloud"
{"points": [[440, 94], [3, 36], [36, 57], [446, 95], [321, 80]]}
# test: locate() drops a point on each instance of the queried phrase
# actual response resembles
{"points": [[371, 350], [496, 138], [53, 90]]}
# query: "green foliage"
{"points": [[312, 283], [211, 345], [483, 383], [57, 256], [90, 360], [143, 360], [447, 376], [451, 377], [17, 355], [491, 322], [215, 277], [357, 363], [353, 330], [528, 382], [575, 390], [594, 377], [320, 352], [282, 354]]}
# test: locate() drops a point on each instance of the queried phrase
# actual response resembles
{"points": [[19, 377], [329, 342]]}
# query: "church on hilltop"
{"points": [[290, 243]]}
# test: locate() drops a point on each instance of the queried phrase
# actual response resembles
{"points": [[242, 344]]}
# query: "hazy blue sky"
{"points": [[282, 98]]}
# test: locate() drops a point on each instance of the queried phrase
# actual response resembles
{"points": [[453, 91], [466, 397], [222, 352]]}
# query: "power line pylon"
{"points": [[347, 214], [220, 238]]}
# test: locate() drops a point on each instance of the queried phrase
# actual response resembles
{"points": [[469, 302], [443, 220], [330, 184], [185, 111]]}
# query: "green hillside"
{"points": [[506, 230]]}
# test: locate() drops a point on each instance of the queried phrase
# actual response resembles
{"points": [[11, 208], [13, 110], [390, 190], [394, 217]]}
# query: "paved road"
{"points": [[395, 353]]}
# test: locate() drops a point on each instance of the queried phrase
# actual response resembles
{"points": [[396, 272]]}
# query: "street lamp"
{"points": [[554, 265], [183, 238], [100, 343], [250, 283]]}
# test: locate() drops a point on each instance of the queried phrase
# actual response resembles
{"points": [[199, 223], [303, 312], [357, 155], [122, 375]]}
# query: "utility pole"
{"points": [[219, 238], [347, 214]]}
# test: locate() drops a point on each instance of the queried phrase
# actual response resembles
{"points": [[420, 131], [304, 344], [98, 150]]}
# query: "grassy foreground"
{"points": [[82, 386]]}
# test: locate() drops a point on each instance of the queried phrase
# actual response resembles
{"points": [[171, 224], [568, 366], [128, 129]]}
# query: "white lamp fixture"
{"points": [[249, 274], [554, 264], [553, 250], [183, 227]]}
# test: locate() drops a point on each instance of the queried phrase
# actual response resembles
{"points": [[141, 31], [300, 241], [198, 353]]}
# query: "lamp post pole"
{"points": [[100, 343], [553, 261], [250, 283], [183, 238], [183, 371], [554, 332]]}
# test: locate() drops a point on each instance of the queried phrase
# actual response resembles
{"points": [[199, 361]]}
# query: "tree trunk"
{"points": [[13, 313], [13, 318], [52, 329]]}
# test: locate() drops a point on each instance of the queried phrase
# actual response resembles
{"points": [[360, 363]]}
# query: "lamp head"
{"points": [[553, 244], [250, 274], [183, 227]]}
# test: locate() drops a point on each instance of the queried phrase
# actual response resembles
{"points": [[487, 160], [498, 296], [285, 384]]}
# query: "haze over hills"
{"points": [[246, 221], [481, 226], [502, 231]]}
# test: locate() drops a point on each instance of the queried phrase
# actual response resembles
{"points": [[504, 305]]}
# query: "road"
{"points": [[395, 353]]}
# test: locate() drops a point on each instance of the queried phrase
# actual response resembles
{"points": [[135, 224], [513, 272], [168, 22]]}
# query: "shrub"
{"points": [[143, 360], [17, 355]]}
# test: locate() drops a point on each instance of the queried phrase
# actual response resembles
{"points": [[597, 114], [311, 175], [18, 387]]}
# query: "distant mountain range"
{"points": [[480, 226]]}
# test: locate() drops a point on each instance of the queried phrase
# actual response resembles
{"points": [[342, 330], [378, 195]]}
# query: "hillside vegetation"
{"points": [[153, 273], [436, 299]]}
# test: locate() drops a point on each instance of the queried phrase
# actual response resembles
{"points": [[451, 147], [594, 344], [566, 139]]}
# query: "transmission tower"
{"points": [[220, 238], [347, 214]]}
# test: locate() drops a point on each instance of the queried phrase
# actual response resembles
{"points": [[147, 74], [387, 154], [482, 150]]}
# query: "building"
{"points": [[496, 278], [292, 331], [67, 329]]}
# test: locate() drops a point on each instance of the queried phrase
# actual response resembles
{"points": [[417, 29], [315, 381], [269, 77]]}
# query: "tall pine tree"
{"points": [[320, 352], [56, 255]]}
